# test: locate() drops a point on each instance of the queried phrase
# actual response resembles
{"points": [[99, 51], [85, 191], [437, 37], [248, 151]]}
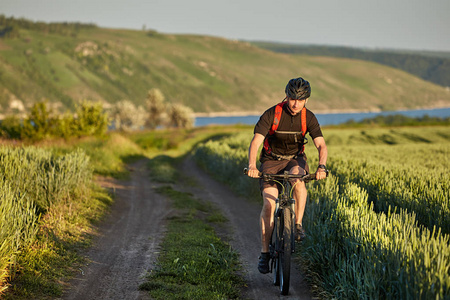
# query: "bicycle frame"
{"points": [[282, 242], [285, 198]]}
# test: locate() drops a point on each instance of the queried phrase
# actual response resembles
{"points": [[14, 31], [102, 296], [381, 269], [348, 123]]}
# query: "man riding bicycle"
{"points": [[282, 129]]}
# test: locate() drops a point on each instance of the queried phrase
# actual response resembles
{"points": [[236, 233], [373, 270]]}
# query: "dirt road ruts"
{"points": [[127, 246], [243, 217]]}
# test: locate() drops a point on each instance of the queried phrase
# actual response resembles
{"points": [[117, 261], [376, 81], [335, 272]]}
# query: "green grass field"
{"points": [[49, 204], [379, 226]]}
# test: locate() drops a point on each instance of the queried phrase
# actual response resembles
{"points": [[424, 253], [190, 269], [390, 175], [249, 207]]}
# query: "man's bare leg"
{"points": [[270, 194], [300, 196]]}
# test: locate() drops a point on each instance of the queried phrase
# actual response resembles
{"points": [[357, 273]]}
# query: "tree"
{"points": [[127, 117], [180, 116], [91, 119], [40, 123], [156, 108]]}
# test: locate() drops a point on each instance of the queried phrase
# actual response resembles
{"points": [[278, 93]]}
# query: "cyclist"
{"points": [[283, 150]]}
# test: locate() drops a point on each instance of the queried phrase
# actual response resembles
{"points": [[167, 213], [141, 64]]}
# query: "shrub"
{"points": [[91, 119], [39, 124], [127, 117], [156, 108], [11, 127], [65, 127], [180, 116]]}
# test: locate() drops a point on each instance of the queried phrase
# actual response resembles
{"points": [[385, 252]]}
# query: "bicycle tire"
{"points": [[276, 236], [284, 257]]}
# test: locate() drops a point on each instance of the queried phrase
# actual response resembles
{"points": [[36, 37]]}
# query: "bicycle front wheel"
{"points": [[275, 248], [284, 258]]}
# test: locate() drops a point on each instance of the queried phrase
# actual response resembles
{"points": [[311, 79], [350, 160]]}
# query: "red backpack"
{"points": [[276, 122]]}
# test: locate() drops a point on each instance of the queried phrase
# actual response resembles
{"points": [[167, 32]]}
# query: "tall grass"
{"points": [[225, 160], [424, 192], [18, 228], [376, 227], [357, 253], [32, 181], [42, 176]]}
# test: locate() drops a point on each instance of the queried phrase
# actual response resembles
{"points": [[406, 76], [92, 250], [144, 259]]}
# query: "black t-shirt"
{"points": [[287, 139]]}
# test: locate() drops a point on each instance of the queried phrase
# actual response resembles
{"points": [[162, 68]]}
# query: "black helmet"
{"points": [[298, 88]]}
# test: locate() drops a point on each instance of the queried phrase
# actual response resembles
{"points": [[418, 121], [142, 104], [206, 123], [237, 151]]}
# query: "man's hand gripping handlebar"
{"points": [[267, 177]]}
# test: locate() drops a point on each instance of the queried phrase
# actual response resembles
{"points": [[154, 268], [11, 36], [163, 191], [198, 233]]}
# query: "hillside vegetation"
{"points": [[67, 63], [429, 65]]}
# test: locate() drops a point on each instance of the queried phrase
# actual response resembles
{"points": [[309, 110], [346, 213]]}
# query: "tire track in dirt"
{"points": [[127, 245], [243, 218]]}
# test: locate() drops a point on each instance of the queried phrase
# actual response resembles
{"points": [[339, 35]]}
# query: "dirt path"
{"points": [[127, 246], [128, 240], [243, 217]]}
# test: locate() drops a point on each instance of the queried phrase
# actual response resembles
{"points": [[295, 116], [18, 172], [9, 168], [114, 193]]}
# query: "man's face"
{"points": [[296, 105]]}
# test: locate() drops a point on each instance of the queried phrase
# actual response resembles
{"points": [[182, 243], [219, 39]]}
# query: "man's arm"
{"points": [[256, 142], [319, 142]]}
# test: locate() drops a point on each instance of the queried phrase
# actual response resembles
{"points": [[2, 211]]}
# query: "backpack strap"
{"points": [[303, 120], [277, 117], [276, 122]]}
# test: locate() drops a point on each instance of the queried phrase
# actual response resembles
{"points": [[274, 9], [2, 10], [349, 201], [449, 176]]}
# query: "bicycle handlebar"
{"points": [[267, 177]]}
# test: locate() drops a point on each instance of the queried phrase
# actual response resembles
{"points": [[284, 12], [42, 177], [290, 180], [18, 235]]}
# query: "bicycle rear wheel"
{"points": [[284, 256]]}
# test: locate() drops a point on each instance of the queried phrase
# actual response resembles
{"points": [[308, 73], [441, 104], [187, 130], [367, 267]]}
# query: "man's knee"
{"points": [[270, 194], [300, 187], [297, 171]]}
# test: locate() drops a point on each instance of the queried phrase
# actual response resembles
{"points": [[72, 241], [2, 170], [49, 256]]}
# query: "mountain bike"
{"points": [[282, 242]]}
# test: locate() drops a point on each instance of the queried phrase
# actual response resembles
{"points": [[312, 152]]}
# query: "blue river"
{"points": [[326, 119]]}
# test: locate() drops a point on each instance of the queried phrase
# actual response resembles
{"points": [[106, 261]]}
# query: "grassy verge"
{"points": [[194, 263], [55, 256], [177, 142], [65, 229], [108, 156]]}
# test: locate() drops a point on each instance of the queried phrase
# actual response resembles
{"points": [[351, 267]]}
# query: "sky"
{"points": [[373, 24]]}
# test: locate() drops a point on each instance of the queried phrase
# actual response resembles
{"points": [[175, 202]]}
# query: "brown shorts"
{"points": [[279, 166]]}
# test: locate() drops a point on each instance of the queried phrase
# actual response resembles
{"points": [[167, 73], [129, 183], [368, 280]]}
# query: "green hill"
{"points": [[433, 66], [66, 63]]}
